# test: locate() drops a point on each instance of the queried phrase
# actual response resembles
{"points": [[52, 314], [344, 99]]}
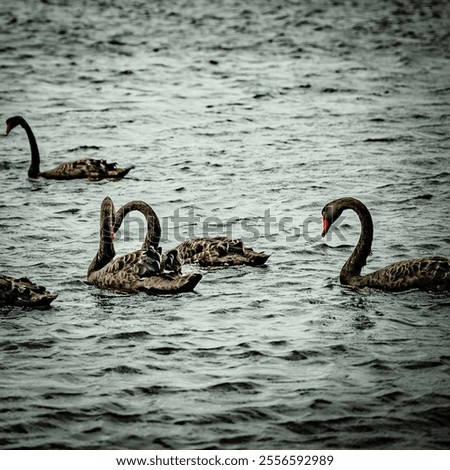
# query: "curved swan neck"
{"points": [[153, 236], [357, 259], [33, 171]]}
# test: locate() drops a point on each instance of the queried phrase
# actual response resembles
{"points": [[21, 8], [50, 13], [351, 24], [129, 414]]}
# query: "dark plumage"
{"points": [[85, 168], [23, 293], [218, 251], [140, 271], [426, 273]]}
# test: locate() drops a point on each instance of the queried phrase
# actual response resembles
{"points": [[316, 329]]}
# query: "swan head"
{"points": [[13, 122], [330, 213]]}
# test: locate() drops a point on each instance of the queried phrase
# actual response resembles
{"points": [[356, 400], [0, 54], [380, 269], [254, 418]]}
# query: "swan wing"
{"points": [[170, 284], [140, 263], [23, 292], [426, 274], [219, 251], [86, 168]]}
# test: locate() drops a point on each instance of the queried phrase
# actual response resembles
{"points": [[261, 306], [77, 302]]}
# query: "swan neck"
{"points": [[33, 171], [357, 260], [106, 252], [153, 235]]}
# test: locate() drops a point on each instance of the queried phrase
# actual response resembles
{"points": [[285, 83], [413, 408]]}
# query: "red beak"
{"points": [[326, 227]]}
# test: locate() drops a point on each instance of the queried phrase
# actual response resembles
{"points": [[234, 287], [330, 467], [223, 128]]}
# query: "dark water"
{"points": [[234, 111]]}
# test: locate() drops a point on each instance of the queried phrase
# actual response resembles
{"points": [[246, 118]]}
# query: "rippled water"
{"points": [[236, 112]]}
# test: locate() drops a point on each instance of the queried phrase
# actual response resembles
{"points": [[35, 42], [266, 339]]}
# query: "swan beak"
{"points": [[326, 226], [8, 129]]}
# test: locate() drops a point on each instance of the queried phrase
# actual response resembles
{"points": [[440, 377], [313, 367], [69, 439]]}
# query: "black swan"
{"points": [[218, 251], [23, 293], [207, 252], [426, 273], [85, 168], [140, 271]]}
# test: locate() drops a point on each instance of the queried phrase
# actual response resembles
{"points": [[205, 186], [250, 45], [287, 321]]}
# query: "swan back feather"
{"points": [[24, 293], [219, 251]]}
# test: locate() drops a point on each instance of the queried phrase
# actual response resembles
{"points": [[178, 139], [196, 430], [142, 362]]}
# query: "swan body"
{"points": [[85, 168], [218, 251], [23, 293], [140, 271], [427, 273]]}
